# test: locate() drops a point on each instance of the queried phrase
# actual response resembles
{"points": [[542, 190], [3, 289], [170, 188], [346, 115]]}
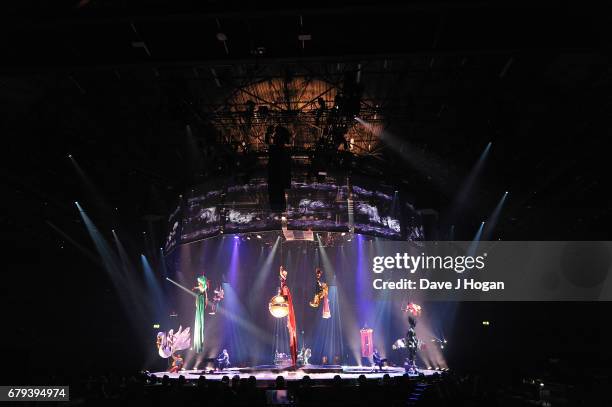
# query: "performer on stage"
{"points": [[223, 361], [321, 291], [201, 302], [378, 360], [177, 363], [219, 294], [291, 324], [304, 355], [412, 344]]}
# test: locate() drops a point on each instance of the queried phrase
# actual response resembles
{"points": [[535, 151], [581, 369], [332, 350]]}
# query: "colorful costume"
{"points": [[201, 302], [412, 344], [304, 356], [177, 364], [413, 309], [321, 293], [291, 324], [219, 294]]}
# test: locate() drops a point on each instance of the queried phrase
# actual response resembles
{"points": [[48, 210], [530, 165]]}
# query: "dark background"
{"points": [[533, 79]]}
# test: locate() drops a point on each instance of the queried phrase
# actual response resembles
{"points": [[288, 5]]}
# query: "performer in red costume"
{"points": [[291, 325]]}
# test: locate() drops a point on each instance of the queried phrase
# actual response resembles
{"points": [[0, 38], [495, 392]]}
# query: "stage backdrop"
{"points": [[364, 206]]}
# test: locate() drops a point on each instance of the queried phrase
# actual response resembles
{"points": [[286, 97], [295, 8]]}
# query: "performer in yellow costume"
{"points": [[321, 292]]}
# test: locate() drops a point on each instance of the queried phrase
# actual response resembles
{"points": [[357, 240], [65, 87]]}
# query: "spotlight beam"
{"points": [[494, 218], [468, 185], [187, 290], [267, 266], [476, 241]]}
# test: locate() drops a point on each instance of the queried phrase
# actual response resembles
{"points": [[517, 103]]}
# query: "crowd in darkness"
{"points": [[445, 389]]}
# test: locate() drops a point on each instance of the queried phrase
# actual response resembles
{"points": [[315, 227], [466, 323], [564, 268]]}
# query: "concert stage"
{"points": [[316, 373]]}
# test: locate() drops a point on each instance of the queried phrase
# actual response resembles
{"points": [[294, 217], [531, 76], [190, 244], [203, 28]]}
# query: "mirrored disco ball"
{"points": [[278, 306]]}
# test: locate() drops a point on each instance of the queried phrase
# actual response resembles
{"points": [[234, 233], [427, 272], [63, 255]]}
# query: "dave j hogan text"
{"points": [[424, 284]]}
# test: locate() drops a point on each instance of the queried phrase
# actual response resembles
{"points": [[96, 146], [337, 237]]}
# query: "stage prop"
{"points": [[199, 213], [367, 345], [282, 360], [168, 343], [201, 302], [278, 306]]}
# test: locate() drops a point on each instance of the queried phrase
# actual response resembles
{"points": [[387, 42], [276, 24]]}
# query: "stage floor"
{"points": [[348, 372]]}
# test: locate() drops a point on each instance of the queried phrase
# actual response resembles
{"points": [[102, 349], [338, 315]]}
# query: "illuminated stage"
{"points": [[321, 373], [241, 254]]}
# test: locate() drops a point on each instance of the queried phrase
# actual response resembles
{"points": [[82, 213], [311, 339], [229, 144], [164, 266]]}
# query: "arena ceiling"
{"points": [[151, 98]]}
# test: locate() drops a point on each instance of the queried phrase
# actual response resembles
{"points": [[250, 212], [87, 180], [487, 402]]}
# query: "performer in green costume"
{"points": [[201, 303]]}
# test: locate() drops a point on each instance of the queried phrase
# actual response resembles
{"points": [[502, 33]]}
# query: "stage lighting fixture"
{"points": [[283, 218], [69, 155], [236, 237], [485, 323], [156, 326], [343, 233], [259, 236]]}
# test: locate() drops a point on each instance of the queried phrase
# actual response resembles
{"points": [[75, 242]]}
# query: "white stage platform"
{"points": [[348, 372]]}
